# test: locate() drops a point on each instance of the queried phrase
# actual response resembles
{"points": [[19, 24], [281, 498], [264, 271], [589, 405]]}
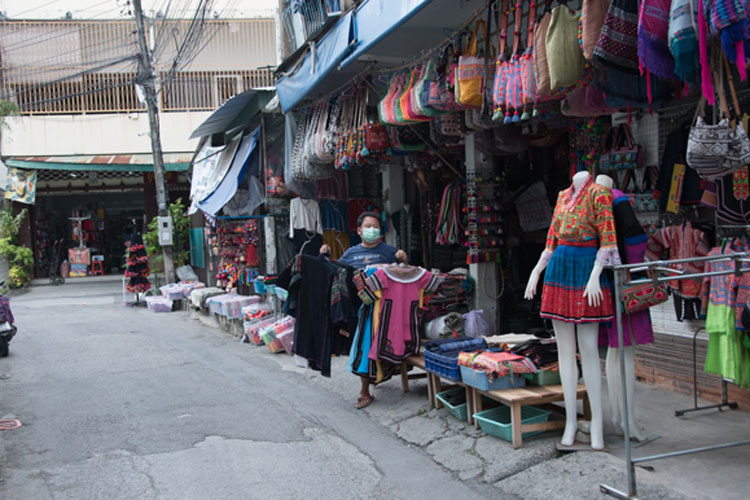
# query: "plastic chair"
{"points": [[97, 268]]}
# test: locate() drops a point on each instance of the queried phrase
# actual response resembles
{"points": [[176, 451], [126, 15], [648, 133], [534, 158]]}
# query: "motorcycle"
{"points": [[7, 328]]}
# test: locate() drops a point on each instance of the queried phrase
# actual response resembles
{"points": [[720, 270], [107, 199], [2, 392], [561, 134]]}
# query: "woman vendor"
{"points": [[371, 251]]}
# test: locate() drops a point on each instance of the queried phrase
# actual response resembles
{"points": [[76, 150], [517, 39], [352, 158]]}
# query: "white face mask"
{"points": [[370, 234]]}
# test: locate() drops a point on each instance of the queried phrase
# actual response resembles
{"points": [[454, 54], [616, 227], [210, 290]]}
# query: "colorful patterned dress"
{"points": [[582, 233]]}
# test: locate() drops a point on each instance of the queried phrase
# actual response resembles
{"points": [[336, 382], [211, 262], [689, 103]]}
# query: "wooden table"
{"points": [[538, 395], [417, 362]]}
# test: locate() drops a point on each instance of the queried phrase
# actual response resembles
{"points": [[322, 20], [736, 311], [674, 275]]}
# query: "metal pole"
{"points": [[147, 80], [625, 420]]}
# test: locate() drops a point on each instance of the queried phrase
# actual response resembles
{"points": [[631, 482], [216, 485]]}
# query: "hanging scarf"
{"points": [[653, 35], [683, 39]]}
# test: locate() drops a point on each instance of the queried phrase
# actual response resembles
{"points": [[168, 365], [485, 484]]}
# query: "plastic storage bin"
{"points": [[457, 410], [444, 365], [158, 303], [496, 421], [544, 377], [479, 380]]}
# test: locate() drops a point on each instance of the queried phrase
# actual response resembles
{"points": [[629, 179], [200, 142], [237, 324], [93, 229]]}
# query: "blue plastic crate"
{"points": [[496, 421], [479, 380], [445, 365]]}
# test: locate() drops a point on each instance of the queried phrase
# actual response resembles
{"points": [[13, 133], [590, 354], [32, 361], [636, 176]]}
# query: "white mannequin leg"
{"points": [[588, 340], [566, 356], [614, 387]]}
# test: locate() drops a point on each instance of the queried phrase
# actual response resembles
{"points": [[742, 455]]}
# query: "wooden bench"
{"points": [[516, 398]]}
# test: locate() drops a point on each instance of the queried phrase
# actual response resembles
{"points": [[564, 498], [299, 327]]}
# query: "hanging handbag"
{"points": [[640, 297], [626, 154], [593, 13], [501, 68], [563, 53], [446, 85], [406, 107], [470, 72], [528, 77], [540, 56], [428, 93]]}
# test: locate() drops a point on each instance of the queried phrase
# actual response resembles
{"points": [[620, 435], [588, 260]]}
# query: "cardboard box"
{"points": [[79, 256]]}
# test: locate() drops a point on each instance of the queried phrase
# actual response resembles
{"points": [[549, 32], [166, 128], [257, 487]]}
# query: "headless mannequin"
{"points": [[614, 382], [588, 338]]}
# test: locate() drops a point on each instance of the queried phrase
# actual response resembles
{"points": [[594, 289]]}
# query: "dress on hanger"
{"points": [[582, 232], [403, 289]]}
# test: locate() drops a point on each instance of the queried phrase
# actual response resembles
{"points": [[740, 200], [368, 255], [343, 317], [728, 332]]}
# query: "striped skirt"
{"points": [[565, 281]]}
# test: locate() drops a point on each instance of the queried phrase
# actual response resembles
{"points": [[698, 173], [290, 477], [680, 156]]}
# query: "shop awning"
{"points": [[228, 185], [235, 113], [389, 15], [385, 34], [322, 58], [173, 162]]}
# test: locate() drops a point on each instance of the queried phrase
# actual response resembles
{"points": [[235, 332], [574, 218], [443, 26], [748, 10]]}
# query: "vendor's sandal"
{"points": [[363, 402]]}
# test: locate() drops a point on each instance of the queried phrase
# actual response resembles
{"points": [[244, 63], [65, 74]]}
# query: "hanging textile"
{"points": [[449, 228]]}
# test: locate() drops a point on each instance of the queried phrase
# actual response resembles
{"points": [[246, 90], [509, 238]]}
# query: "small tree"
{"points": [[19, 258], [180, 236]]}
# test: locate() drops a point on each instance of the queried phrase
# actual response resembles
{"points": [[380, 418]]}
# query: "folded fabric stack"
{"points": [[198, 296], [231, 304], [496, 364], [189, 286], [256, 311], [159, 303], [542, 352]]}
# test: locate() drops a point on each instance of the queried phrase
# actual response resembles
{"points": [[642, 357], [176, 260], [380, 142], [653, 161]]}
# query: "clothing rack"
{"points": [[657, 270]]}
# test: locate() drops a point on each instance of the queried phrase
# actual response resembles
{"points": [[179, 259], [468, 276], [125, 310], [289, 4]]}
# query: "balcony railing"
{"points": [[77, 67], [303, 19]]}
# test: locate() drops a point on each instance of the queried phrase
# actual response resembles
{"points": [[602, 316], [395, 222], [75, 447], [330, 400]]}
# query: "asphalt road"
{"points": [[121, 403]]}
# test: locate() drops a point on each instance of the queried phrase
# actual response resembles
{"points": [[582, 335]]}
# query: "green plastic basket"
{"points": [[496, 421], [458, 411], [544, 377]]}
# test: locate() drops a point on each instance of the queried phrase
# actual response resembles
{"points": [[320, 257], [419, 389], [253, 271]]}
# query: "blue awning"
{"points": [[228, 186], [323, 57], [377, 35], [389, 15]]}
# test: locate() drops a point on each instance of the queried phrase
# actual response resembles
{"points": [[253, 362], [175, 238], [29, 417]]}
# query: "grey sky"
{"points": [[107, 9]]}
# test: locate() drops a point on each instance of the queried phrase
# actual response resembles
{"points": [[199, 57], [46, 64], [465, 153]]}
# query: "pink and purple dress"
{"points": [[397, 337]]}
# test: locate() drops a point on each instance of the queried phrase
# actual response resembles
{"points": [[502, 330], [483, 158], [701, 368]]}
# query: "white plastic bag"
{"points": [[444, 326], [186, 273], [475, 325]]}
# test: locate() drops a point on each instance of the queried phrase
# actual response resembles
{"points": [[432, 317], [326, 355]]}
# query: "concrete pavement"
{"points": [[124, 403]]}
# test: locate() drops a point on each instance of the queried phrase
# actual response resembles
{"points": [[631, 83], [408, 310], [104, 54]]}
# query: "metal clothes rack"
{"points": [[658, 269]]}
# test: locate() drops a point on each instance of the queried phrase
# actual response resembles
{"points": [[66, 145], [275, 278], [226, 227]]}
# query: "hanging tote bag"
{"points": [[387, 105], [428, 92], [683, 39], [470, 72], [653, 39], [543, 87], [501, 68], [406, 107], [528, 78], [512, 85], [446, 85], [563, 53], [593, 13]]}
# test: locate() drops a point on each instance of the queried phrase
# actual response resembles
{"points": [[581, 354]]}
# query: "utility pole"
{"points": [[147, 80]]}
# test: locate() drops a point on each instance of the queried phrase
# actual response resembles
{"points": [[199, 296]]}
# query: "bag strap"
{"points": [[474, 38], [627, 134], [733, 92], [517, 17], [504, 27], [530, 25]]}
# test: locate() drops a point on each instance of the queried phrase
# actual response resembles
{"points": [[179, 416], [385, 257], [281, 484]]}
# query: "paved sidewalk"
{"points": [[537, 470]]}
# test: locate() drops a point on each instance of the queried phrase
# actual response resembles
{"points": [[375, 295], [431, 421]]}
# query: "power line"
{"points": [[28, 42]]}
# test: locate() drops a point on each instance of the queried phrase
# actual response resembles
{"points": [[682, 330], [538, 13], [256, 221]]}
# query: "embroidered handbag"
{"points": [[501, 68], [449, 124], [428, 91], [626, 154], [470, 72], [592, 19], [640, 297]]}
